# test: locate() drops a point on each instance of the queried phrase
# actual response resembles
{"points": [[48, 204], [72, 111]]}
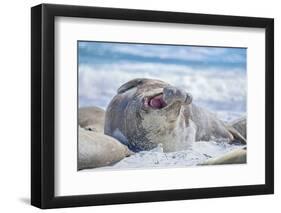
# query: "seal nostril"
{"points": [[188, 98]]}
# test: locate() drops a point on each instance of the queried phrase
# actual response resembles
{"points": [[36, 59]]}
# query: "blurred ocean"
{"points": [[216, 77]]}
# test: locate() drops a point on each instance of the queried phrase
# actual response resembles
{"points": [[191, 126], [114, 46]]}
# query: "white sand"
{"points": [[197, 153]]}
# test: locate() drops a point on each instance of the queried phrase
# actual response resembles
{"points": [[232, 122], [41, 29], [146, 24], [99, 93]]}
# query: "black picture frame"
{"points": [[43, 102]]}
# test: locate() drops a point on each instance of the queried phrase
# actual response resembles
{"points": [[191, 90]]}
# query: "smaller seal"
{"points": [[91, 118], [97, 150], [237, 156], [240, 125]]}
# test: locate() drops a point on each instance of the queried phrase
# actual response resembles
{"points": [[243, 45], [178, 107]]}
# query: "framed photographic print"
{"points": [[140, 106]]}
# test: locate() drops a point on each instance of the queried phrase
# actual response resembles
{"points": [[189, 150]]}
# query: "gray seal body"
{"points": [[146, 113]]}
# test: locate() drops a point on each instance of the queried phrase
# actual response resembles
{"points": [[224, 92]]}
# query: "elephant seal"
{"points": [[148, 112], [97, 150], [240, 125], [91, 118], [238, 156]]}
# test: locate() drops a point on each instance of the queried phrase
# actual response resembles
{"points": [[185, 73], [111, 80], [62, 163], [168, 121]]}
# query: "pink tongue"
{"points": [[157, 102]]}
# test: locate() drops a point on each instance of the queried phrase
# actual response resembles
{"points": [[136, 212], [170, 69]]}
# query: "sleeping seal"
{"points": [[91, 118], [147, 112], [240, 125], [237, 156], [96, 150]]}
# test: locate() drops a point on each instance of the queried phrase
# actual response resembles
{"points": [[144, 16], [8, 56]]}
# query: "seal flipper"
{"points": [[236, 135]]}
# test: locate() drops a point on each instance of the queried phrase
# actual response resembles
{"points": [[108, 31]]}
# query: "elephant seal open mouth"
{"points": [[148, 112], [170, 94], [155, 102]]}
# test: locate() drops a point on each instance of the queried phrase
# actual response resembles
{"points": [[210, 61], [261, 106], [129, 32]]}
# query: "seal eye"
{"points": [[157, 102]]}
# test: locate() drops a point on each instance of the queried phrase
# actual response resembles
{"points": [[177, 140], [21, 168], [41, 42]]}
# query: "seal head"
{"points": [[146, 113]]}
